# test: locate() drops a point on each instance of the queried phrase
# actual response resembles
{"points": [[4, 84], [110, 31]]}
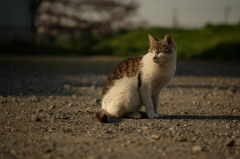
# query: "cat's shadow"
{"points": [[195, 117], [201, 117], [181, 117]]}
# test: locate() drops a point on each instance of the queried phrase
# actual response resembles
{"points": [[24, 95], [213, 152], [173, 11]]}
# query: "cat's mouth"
{"points": [[155, 60]]}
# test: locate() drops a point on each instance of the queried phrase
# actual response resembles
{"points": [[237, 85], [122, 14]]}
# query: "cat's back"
{"points": [[127, 68]]}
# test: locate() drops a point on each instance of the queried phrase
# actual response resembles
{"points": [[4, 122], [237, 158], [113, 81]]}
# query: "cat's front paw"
{"points": [[154, 115]]}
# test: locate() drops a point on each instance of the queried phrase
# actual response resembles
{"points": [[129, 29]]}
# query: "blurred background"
{"points": [[203, 30]]}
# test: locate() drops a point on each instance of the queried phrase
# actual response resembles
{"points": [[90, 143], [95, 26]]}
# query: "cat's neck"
{"points": [[158, 69]]}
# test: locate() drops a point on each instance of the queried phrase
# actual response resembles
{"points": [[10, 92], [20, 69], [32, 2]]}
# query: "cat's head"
{"points": [[162, 50]]}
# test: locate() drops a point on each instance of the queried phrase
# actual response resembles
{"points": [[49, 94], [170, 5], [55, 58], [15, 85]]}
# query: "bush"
{"points": [[213, 42]]}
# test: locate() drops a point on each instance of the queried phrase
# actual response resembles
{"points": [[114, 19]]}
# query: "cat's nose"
{"points": [[155, 59]]}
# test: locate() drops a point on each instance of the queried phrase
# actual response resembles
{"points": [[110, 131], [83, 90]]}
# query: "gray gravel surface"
{"points": [[48, 106]]}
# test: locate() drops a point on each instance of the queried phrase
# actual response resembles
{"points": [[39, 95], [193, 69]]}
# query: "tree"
{"points": [[100, 16]]}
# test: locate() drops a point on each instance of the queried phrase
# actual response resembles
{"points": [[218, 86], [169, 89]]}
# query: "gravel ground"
{"points": [[48, 106]]}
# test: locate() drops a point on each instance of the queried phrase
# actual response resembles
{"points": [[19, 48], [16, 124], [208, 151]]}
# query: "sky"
{"points": [[188, 13]]}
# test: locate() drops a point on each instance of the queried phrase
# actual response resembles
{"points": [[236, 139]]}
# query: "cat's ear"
{"points": [[168, 39], [152, 41], [151, 38]]}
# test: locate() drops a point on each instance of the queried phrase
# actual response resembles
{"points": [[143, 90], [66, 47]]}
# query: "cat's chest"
{"points": [[157, 77], [155, 73]]}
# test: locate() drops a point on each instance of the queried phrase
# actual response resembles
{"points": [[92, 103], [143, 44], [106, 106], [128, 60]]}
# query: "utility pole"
{"points": [[226, 14], [175, 18]]}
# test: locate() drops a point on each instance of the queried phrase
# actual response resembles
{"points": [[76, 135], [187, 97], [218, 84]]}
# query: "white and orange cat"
{"points": [[138, 81]]}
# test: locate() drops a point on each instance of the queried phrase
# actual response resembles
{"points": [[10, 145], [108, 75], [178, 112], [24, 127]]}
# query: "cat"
{"points": [[138, 81]]}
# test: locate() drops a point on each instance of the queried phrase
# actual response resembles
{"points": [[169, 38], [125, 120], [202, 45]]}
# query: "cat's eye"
{"points": [[167, 51]]}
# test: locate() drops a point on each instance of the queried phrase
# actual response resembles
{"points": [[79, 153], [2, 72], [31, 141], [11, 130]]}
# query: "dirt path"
{"points": [[48, 105]]}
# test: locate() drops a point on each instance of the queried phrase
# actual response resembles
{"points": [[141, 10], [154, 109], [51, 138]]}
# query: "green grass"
{"points": [[221, 42], [213, 42]]}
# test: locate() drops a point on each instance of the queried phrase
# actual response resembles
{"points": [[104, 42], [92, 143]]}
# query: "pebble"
{"points": [[195, 103], [70, 104], [183, 113], [129, 142], [39, 110], [209, 102], [13, 152], [182, 139], [110, 149], [197, 148], [123, 145], [7, 112], [155, 137], [18, 118], [232, 90], [8, 128], [97, 101], [171, 129], [52, 107], [174, 134], [228, 126], [230, 143], [51, 129], [35, 118], [64, 116], [145, 128], [93, 87], [109, 131]]}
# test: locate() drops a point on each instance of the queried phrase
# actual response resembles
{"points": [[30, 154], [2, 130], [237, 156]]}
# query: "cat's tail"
{"points": [[102, 116]]}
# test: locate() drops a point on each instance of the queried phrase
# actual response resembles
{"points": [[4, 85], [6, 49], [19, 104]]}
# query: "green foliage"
{"points": [[213, 42], [221, 42]]}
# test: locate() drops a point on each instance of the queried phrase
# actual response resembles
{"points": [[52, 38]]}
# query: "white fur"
{"points": [[124, 96], [155, 75]]}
